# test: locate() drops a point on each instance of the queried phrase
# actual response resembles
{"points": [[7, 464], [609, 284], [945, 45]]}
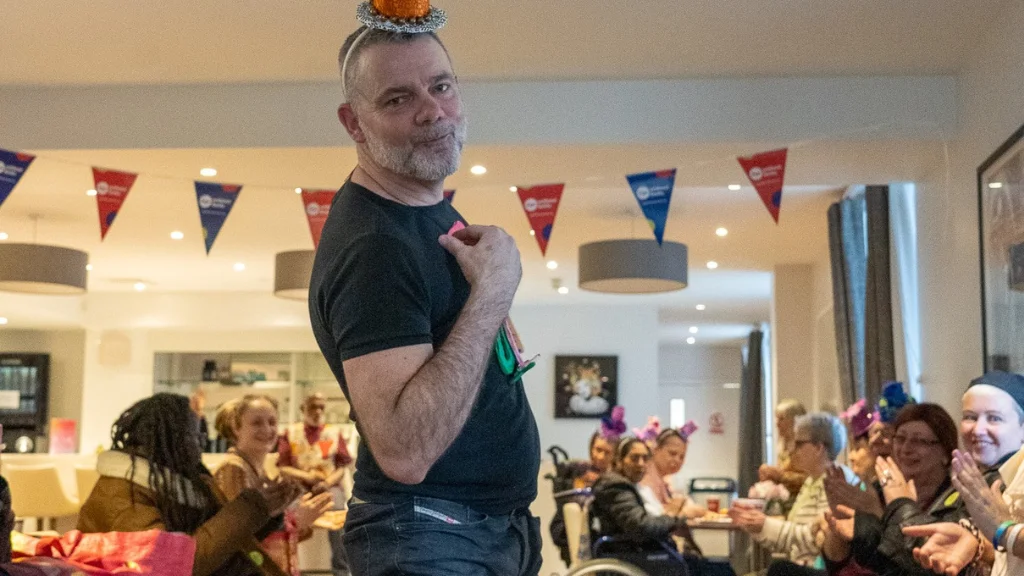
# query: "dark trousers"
{"points": [[427, 536], [785, 568], [339, 562]]}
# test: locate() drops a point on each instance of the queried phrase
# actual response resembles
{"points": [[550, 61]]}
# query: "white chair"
{"points": [[86, 479], [36, 492], [572, 513]]}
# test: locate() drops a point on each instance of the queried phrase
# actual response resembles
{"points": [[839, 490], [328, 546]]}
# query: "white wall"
{"points": [[696, 374], [991, 109], [793, 324]]}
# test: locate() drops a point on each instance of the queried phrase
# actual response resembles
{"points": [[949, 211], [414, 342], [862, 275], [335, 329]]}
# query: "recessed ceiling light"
{"points": [[563, 290], [139, 286], [731, 385], [734, 187], [712, 265], [177, 235], [701, 307], [88, 267], [691, 340], [513, 189], [3, 321], [995, 185], [478, 170], [90, 192], [694, 329], [552, 265], [532, 233], [722, 232], [239, 266], [208, 172], [4, 236], [298, 190]]}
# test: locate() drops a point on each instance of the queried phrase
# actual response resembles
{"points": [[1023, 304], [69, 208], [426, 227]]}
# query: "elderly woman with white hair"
{"points": [[818, 440]]}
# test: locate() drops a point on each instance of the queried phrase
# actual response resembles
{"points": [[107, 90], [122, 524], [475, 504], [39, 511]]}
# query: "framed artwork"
{"points": [[586, 386], [1001, 233]]}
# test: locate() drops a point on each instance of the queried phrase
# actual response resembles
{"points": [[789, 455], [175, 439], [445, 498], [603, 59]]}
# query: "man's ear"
{"points": [[350, 121]]}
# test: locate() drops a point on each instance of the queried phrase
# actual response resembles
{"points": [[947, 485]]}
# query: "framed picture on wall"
{"points": [[586, 386], [1001, 231]]}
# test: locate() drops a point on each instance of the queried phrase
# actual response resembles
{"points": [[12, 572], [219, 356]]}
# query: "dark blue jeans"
{"points": [[427, 536]]}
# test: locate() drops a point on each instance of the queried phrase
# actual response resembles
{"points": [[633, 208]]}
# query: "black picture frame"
{"points": [[586, 386], [1001, 255]]}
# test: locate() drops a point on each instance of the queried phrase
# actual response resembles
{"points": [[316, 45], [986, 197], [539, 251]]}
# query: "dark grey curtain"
{"points": [[752, 428], [879, 354], [861, 289], [747, 557]]}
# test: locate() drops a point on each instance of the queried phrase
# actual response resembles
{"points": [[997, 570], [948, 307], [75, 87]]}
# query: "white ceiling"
{"points": [[61, 42]]}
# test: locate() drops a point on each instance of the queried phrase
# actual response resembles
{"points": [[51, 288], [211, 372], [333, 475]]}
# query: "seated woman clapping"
{"points": [[818, 440], [154, 478]]}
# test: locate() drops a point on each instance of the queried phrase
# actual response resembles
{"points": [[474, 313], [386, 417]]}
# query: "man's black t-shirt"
{"points": [[381, 280]]}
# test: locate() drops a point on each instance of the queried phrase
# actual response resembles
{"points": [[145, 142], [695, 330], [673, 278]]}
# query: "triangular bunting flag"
{"points": [[318, 205], [449, 195], [12, 167], [653, 191], [112, 188], [541, 206], [766, 172], [215, 203]]}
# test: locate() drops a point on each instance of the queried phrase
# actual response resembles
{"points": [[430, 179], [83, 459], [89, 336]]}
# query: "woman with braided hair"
{"points": [[153, 478]]}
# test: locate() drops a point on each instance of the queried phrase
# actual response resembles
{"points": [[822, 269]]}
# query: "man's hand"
{"points": [[489, 260]]}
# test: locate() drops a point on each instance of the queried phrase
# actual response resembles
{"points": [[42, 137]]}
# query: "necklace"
{"points": [[383, 190]]}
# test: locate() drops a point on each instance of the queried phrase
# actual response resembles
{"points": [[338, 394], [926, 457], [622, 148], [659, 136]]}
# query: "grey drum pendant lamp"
{"points": [[632, 266], [42, 269], [291, 274]]}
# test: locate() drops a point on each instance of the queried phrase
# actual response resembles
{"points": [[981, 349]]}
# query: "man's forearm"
{"points": [[435, 404]]}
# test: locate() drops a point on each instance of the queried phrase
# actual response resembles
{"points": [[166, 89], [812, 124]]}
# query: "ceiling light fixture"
{"points": [[735, 187], [722, 232], [552, 265], [208, 172], [298, 190], [239, 266], [694, 329], [513, 189], [177, 235], [478, 170], [140, 286], [90, 192], [291, 274], [3, 321], [88, 267], [691, 340], [532, 233], [632, 266], [995, 185], [701, 307], [731, 385], [563, 290], [42, 269], [712, 265], [4, 236]]}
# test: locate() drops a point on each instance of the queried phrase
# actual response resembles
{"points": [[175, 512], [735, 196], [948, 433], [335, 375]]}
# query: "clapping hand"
{"points": [[986, 505], [894, 484], [841, 522], [949, 548], [840, 493], [750, 520]]}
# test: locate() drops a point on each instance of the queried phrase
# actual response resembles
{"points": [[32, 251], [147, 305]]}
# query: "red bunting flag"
{"points": [[766, 172], [541, 206], [112, 188], [449, 195], [317, 204]]}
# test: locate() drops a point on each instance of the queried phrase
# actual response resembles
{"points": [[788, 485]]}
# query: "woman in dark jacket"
{"points": [[916, 488], [619, 508]]}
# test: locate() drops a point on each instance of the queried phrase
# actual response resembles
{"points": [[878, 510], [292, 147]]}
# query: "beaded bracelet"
{"points": [[1000, 532], [980, 553]]}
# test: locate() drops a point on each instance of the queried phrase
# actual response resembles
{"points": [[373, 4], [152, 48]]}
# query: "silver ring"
{"points": [[887, 474]]}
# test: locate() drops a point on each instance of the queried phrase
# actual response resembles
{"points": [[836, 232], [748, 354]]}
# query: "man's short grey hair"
{"points": [[823, 428], [366, 39]]}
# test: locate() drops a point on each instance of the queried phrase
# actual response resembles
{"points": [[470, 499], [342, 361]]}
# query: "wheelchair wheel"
{"points": [[606, 566]]}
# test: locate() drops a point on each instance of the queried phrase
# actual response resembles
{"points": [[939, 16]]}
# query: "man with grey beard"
{"points": [[406, 303]]}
